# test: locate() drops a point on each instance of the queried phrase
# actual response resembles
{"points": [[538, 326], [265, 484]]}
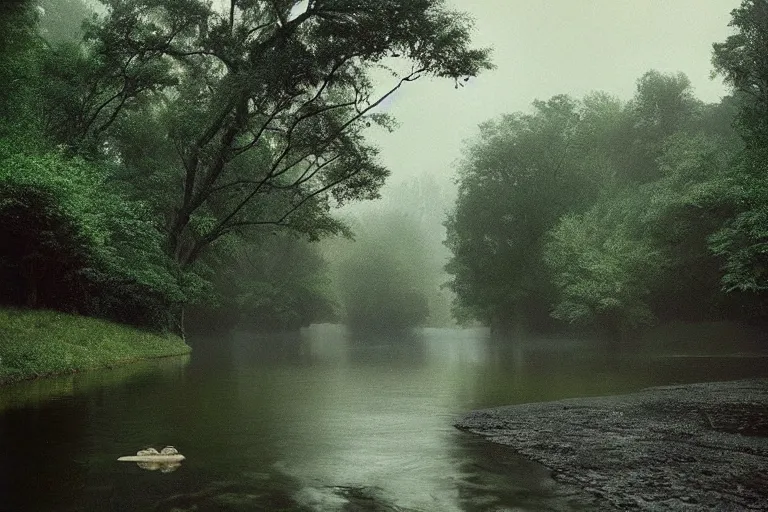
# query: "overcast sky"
{"points": [[548, 47]]}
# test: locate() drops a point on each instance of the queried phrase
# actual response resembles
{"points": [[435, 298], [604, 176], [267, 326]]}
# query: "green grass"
{"points": [[38, 343]]}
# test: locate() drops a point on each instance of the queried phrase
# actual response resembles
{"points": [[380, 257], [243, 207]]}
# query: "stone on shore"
{"points": [[688, 447]]}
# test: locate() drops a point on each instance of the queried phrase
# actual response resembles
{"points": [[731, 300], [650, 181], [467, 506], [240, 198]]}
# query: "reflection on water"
{"points": [[318, 420], [52, 388], [163, 467]]}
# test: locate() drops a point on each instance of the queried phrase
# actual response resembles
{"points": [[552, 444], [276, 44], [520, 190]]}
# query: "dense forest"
{"points": [[161, 154], [613, 215]]}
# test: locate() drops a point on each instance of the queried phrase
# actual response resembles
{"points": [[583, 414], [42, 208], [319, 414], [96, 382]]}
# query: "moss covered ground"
{"points": [[39, 343]]}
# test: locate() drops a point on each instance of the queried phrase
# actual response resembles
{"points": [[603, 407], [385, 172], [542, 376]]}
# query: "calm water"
{"points": [[321, 420]]}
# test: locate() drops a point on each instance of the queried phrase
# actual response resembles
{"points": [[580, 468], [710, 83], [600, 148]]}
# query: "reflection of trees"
{"points": [[331, 344], [34, 392], [260, 349], [534, 369], [59, 437], [304, 347], [401, 347], [38, 447]]}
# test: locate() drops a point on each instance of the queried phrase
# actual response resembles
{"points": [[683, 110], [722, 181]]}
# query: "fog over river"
{"points": [[324, 419]]}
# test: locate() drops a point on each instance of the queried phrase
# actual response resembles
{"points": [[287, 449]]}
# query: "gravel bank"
{"points": [[690, 447]]}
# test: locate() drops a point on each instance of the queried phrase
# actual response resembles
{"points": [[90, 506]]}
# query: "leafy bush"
{"points": [[70, 241], [603, 273]]}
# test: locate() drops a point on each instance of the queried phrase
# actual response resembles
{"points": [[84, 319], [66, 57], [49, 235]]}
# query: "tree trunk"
{"points": [[174, 235], [176, 320], [181, 324]]}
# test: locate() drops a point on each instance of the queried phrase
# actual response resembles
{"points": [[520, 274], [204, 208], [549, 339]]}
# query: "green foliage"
{"points": [[86, 88], [610, 215], [740, 59], [77, 243], [384, 277], [663, 105], [18, 65], [37, 343], [602, 271], [253, 142], [649, 243], [180, 128], [518, 178], [275, 282], [743, 240]]}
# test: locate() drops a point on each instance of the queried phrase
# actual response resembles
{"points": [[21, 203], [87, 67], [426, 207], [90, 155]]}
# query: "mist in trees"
{"points": [[390, 276], [276, 281], [63, 21], [614, 215], [153, 151], [381, 281], [160, 156]]}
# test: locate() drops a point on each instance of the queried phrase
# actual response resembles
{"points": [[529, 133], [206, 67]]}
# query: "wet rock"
{"points": [[694, 447], [169, 450]]}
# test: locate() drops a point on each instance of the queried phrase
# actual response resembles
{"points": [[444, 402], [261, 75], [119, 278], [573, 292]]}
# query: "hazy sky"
{"points": [[548, 47]]}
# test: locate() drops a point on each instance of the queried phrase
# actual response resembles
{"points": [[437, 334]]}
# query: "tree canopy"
{"points": [[258, 111], [181, 129], [611, 215]]}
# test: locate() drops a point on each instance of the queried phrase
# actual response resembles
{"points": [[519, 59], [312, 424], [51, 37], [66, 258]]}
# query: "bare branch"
{"points": [[307, 175], [360, 113]]}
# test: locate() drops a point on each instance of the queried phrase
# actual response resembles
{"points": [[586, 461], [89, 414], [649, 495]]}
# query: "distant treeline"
{"points": [[614, 215], [391, 275], [158, 154]]}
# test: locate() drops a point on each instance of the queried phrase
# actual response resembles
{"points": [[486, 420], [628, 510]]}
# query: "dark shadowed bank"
{"points": [[690, 447], [41, 343]]}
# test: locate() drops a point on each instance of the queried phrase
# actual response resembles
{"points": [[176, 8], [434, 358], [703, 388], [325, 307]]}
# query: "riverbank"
{"points": [[690, 447], [41, 343]]}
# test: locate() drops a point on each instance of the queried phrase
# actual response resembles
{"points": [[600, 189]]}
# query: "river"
{"points": [[324, 419]]}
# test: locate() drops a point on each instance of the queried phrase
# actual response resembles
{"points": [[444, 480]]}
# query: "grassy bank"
{"points": [[39, 343]]}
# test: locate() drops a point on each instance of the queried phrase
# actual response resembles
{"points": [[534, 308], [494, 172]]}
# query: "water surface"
{"points": [[324, 419]]}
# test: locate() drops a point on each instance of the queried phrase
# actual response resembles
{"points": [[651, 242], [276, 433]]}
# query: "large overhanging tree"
{"points": [[742, 60], [253, 112]]}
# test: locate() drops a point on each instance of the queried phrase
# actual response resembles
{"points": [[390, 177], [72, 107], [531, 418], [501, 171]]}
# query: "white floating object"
{"points": [[168, 455], [152, 458]]}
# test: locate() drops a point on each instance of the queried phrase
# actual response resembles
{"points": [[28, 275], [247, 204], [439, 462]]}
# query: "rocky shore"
{"points": [[688, 447]]}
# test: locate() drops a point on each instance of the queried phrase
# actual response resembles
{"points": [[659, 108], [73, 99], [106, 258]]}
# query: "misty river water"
{"points": [[324, 419]]}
